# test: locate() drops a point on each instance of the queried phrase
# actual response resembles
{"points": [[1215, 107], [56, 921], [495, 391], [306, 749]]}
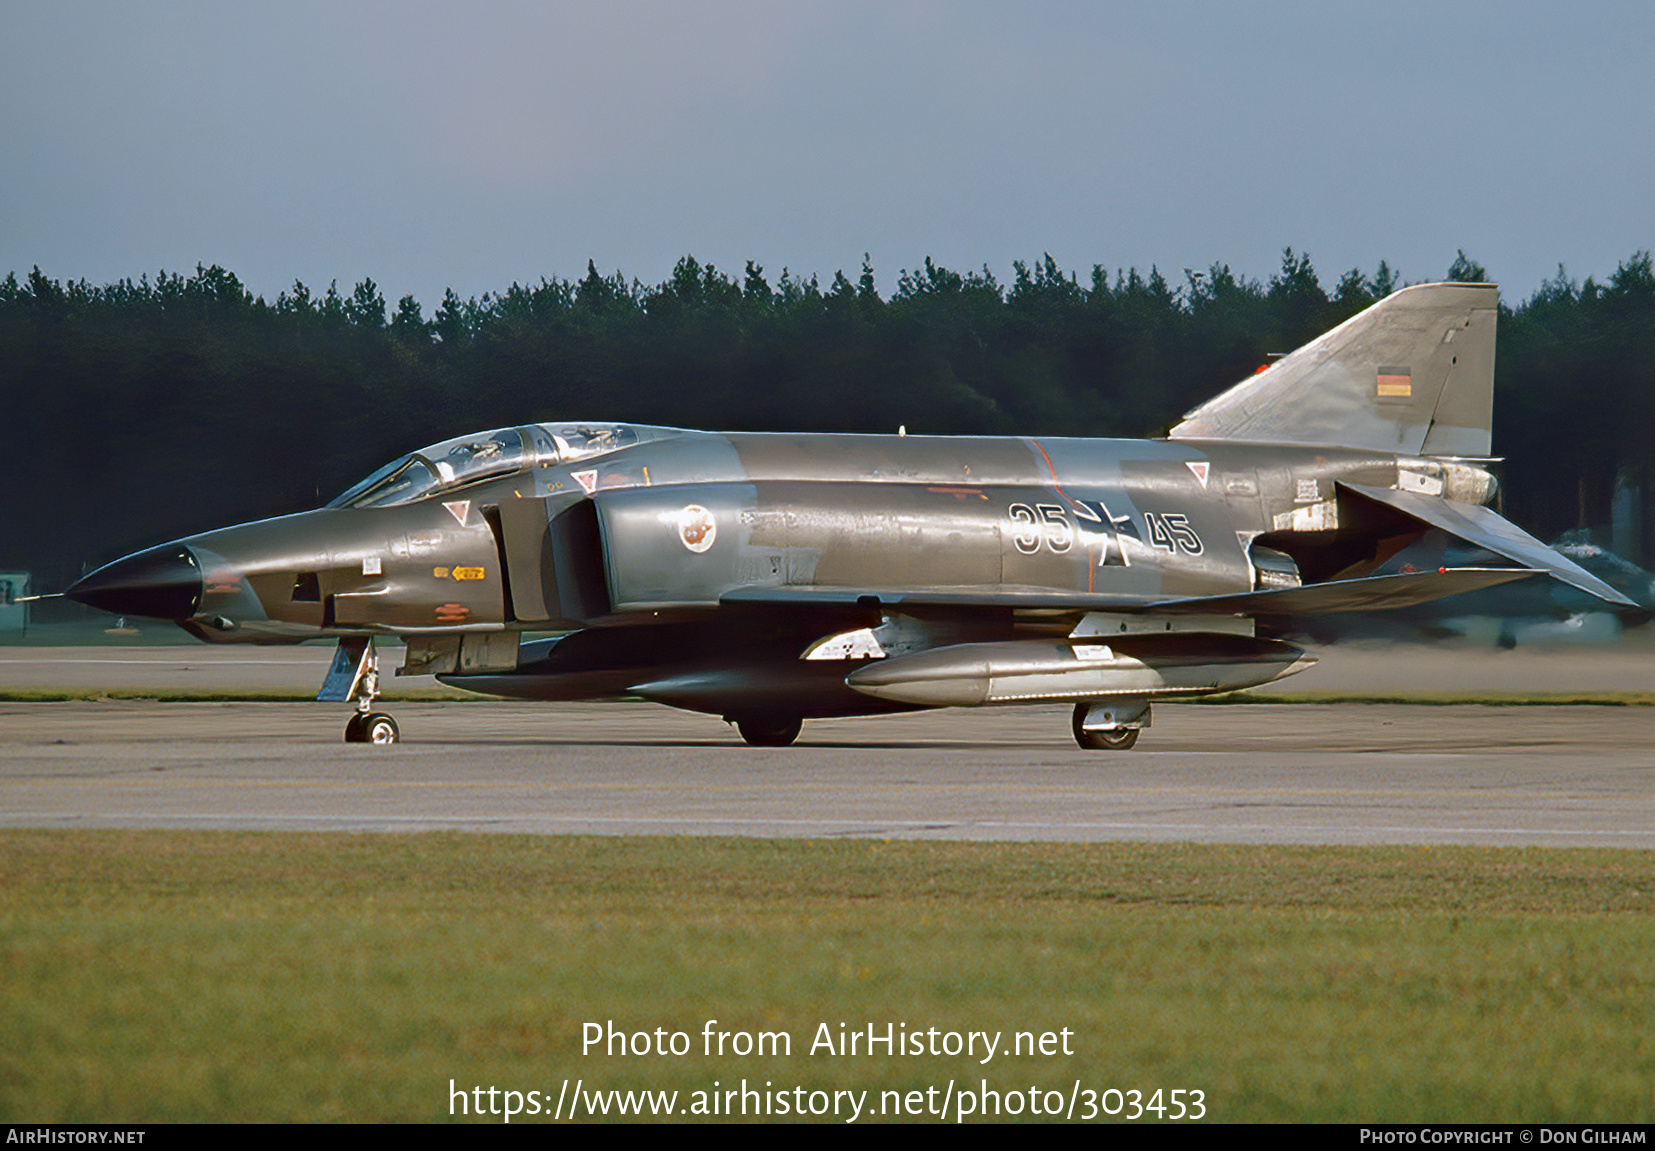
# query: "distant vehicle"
{"points": [[774, 578], [14, 602]]}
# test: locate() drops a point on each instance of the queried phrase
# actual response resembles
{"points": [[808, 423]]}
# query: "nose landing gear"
{"points": [[354, 674], [371, 727]]}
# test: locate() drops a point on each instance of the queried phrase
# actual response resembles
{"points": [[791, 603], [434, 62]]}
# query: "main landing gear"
{"points": [[767, 730], [1108, 727], [354, 674]]}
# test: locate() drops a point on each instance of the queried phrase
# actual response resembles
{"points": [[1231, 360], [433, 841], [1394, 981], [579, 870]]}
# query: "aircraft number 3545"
{"points": [[1048, 526]]}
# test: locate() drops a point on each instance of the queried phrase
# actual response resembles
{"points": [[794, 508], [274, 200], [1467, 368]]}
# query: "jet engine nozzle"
{"points": [[161, 583]]}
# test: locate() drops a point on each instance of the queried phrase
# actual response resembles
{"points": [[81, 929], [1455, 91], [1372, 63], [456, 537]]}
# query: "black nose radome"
{"points": [[161, 583]]}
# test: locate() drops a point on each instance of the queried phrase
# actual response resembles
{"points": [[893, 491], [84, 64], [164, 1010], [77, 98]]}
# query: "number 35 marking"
{"points": [[1027, 524]]}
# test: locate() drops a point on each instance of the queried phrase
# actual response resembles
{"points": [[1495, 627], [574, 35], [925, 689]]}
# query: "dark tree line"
{"points": [[143, 410]]}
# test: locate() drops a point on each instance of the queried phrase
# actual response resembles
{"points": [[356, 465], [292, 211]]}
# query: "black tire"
{"points": [[356, 730], [769, 730], [1102, 738]]}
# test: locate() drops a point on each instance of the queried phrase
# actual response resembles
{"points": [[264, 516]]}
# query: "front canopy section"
{"points": [[465, 459]]}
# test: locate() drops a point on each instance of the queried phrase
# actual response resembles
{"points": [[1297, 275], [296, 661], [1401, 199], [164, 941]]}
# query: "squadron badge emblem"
{"points": [[697, 528]]}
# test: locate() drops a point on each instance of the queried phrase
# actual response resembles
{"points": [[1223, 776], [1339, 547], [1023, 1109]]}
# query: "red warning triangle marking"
{"points": [[459, 509], [1198, 468]]}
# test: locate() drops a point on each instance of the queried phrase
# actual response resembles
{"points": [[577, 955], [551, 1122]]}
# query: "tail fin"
{"points": [[1414, 374]]}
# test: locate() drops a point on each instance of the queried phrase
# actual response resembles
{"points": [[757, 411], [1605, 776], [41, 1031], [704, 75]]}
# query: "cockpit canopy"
{"points": [[465, 459]]}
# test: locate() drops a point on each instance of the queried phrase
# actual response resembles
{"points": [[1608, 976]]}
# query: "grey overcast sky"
{"points": [[433, 145]]}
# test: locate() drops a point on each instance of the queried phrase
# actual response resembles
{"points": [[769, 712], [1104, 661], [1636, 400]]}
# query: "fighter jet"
{"points": [[772, 578]]}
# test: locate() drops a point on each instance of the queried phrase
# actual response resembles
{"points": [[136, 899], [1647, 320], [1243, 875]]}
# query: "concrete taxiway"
{"points": [[1352, 774]]}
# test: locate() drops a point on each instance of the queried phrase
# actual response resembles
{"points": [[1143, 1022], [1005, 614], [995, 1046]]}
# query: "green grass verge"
{"points": [[205, 695], [154, 976], [1444, 698]]}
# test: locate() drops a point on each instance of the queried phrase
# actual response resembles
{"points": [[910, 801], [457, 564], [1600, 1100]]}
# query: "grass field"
{"points": [[153, 976]]}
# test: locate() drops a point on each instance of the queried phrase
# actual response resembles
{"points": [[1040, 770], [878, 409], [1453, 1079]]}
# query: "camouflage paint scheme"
{"points": [[771, 578]]}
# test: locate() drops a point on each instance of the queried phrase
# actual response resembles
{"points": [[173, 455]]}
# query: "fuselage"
{"points": [[678, 520]]}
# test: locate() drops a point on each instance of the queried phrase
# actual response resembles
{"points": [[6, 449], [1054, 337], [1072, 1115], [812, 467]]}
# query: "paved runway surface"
{"points": [[1568, 776]]}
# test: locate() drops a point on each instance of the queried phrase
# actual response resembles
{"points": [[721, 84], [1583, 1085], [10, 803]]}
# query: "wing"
{"points": [[1372, 593]]}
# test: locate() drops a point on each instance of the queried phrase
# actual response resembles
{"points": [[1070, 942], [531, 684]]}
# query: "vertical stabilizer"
{"points": [[1414, 374]]}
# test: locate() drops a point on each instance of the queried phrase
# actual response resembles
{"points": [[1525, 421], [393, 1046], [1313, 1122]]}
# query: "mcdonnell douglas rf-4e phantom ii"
{"points": [[773, 578]]}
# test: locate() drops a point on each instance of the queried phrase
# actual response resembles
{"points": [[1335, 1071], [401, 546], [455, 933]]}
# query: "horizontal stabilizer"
{"points": [[1371, 593], [1483, 528]]}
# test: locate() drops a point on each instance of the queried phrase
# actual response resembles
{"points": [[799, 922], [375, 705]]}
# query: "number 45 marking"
{"points": [[1171, 532]]}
